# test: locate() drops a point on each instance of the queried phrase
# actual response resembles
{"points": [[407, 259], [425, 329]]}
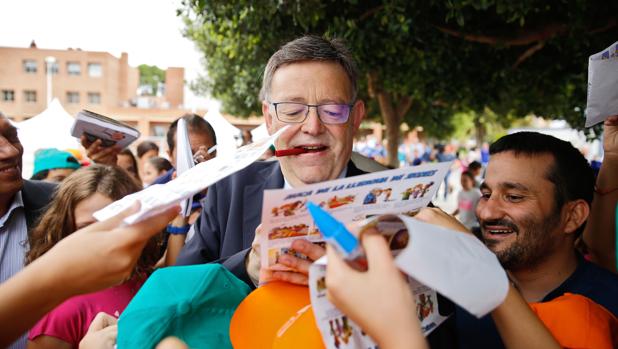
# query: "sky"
{"points": [[148, 31]]}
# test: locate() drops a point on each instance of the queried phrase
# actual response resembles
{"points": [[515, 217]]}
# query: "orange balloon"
{"points": [[578, 322], [262, 314], [300, 331]]}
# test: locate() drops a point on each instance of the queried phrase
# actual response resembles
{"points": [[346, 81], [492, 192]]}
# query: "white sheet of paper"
{"points": [[157, 198], [184, 160], [602, 85], [455, 264]]}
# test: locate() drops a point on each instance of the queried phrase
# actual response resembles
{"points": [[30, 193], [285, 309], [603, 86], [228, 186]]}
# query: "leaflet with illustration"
{"points": [[157, 198], [602, 85], [285, 216], [426, 254], [339, 332]]}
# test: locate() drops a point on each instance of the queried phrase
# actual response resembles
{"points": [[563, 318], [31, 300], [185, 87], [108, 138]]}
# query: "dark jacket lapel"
{"points": [[36, 196], [353, 170]]}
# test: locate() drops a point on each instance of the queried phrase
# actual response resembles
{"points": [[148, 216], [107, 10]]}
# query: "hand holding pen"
{"points": [[202, 154]]}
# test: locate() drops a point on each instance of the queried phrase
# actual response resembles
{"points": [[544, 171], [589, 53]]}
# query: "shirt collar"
{"points": [[17, 202], [287, 185], [573, 282]]}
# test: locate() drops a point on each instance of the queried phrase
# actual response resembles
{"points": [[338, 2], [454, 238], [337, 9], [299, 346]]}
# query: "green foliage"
{"points": [[511, 57], [151, 75]]}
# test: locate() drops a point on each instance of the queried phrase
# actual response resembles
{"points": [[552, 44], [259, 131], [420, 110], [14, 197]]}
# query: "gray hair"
{"points": [[310, 48]]}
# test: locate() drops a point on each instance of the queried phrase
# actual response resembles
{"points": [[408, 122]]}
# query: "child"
{"points": [[80, 195], [467, 199], [154, 168]]}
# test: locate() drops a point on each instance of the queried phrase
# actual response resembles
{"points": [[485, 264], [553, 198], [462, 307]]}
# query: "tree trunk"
{"points": [[392, 116], [480, 131]]}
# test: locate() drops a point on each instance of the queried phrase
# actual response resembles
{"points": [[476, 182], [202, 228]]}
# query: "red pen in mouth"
{"points": [[300, 150], [288, 152]]}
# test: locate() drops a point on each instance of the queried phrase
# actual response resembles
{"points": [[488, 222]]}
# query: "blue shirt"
{"points": [[587, 280], [164, 178], [13, 246]]}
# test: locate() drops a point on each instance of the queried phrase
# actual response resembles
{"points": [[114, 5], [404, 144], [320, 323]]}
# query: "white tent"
{"points": [[259, 132], [227, 134], [50, 129]]}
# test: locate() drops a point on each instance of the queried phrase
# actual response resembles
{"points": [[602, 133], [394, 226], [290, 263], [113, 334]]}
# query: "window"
{"points": [[30, 96], [72, 97], [159, 129], [95, 70], [53, 67], [30, 66], [8, 95], [94, 98], [74, 68]]}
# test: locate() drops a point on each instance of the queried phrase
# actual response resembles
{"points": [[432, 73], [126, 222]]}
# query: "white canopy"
{"points": [[259, 132], [50, 129], [227, 134]]}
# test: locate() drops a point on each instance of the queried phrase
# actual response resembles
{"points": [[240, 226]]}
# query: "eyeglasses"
{"points": [[294, 113]]}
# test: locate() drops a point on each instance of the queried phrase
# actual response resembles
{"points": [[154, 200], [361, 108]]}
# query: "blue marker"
{"points": [[337, 235]]}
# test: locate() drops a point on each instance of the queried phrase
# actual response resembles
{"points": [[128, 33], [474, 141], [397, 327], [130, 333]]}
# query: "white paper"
{"points": [[285, 217], [184, 160], [602, 85], [339, 332], [157, 198], [436, 259], [457, 265]]}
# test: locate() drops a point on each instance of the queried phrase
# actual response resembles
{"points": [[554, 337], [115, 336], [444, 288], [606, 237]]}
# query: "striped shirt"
{"points": [[13, 246]]}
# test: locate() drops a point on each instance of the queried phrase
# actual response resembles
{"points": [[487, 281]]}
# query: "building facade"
{"points": [[79, 79]]}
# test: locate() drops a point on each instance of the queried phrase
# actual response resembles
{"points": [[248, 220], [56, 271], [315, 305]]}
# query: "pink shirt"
{"points": [[70, 320]]}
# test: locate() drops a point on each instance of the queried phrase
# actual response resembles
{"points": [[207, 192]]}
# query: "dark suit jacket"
{"points": [[232, 211], [36, 196]]}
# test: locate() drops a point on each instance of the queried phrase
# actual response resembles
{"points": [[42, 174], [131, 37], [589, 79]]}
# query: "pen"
{"points": [[288, 152], [209, 151], [337, 235]]}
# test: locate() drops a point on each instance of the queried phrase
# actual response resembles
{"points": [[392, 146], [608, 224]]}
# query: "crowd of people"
{"points": [[532, 199]]}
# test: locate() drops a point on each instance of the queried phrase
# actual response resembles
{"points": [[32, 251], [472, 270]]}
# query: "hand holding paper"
{"points": [[457, 265], [378, 300], [295, 270]]}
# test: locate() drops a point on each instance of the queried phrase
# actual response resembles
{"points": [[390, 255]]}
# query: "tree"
{"points": [[421, 61], [152, 76]]}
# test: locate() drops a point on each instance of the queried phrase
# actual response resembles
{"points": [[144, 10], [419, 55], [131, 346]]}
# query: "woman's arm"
{"points": [[48, 342], [600, 232], [518, 325], [175, 242], [98, 256]]}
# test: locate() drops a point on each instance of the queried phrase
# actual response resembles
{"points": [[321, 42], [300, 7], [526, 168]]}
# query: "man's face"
{"points": [[196, 139], [313, 83], [517, 211], [11, 152]]}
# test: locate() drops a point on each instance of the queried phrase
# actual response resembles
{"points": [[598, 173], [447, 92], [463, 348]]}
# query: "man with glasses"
{"points": [[309, 84]]}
